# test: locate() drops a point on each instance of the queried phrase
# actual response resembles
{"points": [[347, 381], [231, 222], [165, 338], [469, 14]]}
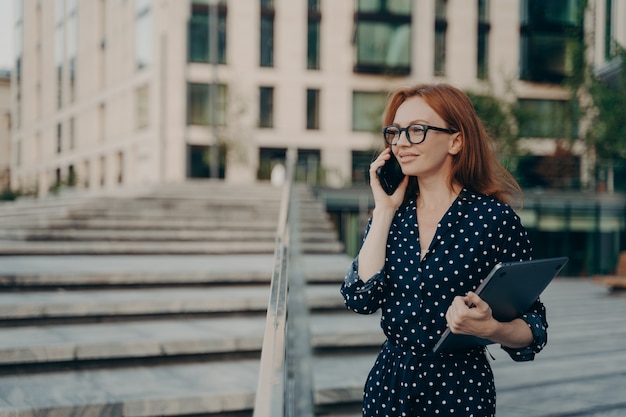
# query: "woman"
{"points": [[426, 247]]}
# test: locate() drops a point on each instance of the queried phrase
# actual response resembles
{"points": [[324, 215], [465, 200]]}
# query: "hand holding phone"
{"points": [[390, 174]]}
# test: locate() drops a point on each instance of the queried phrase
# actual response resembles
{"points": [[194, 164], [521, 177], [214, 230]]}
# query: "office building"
{"points": [[5, 126], [111, 94]]}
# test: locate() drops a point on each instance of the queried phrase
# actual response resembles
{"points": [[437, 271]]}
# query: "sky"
{"points": [[6, 34]]}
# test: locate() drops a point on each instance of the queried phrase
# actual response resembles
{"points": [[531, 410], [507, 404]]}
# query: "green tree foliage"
{"points": [[499, 120], [608, 129]]}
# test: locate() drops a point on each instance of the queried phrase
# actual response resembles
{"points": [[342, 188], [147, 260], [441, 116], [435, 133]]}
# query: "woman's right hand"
{"points": [[381, 198]]}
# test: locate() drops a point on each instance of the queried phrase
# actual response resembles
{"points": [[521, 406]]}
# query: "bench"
{"points": [[617, 281]]}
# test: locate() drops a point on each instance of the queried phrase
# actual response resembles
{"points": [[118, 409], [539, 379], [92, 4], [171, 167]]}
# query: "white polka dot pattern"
{"points": [[476, 233]]}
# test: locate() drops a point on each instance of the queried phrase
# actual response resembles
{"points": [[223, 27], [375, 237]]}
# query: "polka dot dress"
{"points": [[407, 379]]}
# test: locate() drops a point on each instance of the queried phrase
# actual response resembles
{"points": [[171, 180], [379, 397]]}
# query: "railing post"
{"points": [[284, 387], [299, 390]]}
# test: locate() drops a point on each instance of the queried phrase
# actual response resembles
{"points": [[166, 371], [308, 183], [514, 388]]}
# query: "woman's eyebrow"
{"points": [[413, 122]]}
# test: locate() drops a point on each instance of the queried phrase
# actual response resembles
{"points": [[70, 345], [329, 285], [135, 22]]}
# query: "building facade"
{"points": [[126, 93], [5, 127]]}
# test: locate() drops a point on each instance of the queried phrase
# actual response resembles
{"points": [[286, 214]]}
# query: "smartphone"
{"points": [[390, 174]]}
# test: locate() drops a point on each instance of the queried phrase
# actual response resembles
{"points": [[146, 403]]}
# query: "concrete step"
{"points": [[134, 339], [17, 247], [154, 235], [212, 212], [132, 270], [135, 235], [166, 390], [128, 302], [25, 272], [115, 315], [102, 304], [169, 224], [140, 223], [201, 219], [248, 215], [214, 387], [167, 338]]}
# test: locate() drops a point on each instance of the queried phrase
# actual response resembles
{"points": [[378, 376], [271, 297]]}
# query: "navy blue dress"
{"points": [[407, 379]]}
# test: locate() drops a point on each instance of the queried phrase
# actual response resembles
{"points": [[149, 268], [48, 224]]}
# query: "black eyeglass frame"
{"points": [[408, 137]]}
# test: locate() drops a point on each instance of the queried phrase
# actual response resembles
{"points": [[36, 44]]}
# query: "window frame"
{"points": [[266, 33], [379, 19], [313, 108], [266, 107]]}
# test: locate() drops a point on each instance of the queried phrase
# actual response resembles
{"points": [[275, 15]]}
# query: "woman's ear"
{"points": [[456, 143]]}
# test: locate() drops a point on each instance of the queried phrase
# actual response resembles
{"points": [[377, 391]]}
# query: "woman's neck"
{"points": [[435, 195]]}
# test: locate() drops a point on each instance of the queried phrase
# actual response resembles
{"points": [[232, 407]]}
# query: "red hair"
{"points": [[476, 166]]}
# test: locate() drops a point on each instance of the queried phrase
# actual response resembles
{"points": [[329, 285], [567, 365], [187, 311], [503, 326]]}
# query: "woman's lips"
{"points": [[407, 157]]}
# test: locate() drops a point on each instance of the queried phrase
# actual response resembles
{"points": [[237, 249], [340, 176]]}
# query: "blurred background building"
{"points": [[120, 94], [5, 126]]}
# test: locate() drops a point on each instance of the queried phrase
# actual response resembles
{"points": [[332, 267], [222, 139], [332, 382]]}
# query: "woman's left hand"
{"points": [[471, 315]]}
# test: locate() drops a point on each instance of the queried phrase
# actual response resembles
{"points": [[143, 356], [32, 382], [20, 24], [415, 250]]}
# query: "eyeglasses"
{"points": [[415, 133]]}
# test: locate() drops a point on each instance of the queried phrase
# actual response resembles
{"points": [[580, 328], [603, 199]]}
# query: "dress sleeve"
{"points": [[517, 246], [363, 297], [535, 318]]}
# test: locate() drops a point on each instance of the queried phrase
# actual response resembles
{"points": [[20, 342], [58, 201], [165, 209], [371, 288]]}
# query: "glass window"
{"points": [[546, 118], [483, 11], [383, 37], [267, 33], [71, 176], [59, 51], [59, 138], [361, 161], [268, 159], [72, 46], [608, 30], [143, 33], [198, 32], [441, 9], [103, 170], [550, 35], [367, 110], [17, 62], [391, 6], [312, 109], [120, 167], [199, 108], [440, 49], [266, 107], [541, 12], [308, 167], [482, 58], [482, 67], [199, 161], [441, 27], [313, 35]]}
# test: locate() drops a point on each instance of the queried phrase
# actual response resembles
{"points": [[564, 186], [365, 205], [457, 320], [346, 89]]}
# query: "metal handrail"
{"points": [[280, 386]]}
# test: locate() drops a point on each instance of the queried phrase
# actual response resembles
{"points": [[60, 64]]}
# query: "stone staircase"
{"points": [[170, 333], [155, 305], [213, 219]]}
